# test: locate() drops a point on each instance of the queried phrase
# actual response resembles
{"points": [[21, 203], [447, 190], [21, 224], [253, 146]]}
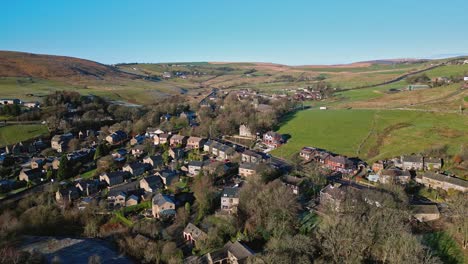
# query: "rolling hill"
{"points": [[20, 64]]}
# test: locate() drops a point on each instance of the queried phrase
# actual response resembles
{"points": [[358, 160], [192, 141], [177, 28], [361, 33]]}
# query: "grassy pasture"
{"points": [[373, 134], [16, 133]]}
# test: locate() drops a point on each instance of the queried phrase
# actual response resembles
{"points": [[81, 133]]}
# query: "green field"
{"points": [[372, 134], [16, 133]]}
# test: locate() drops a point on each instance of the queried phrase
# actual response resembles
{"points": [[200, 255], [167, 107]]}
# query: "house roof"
{"points": [[335, 191], [445, 178], [230, 192], [251, 153], [412, 158], [248, 166], [160, 199], [139, 147], [127, 187], [194, 139], [137, 165], [425, 209], [164, 135], [133, 197], [196, 232], [153, 181], [33, 172], [226, 149], [177, 137], [65, 191], [115, 174], [274, 135], [155, 158], [196, 163], [83, 183], [210, 142], [167, 173], [394, 172], [238, 250], [341, 159], [432, 160]]}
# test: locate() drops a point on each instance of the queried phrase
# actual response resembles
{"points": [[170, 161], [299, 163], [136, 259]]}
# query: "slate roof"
{"points": [[247, 166], [238, 250], [230, 192], [445, 178], [153, 181], [395, 172], [252, 154], [127, 187], [196, 232], [160, 199], [138, 165], [432, 160], [196, 163], [425, 209], [412, 158]]}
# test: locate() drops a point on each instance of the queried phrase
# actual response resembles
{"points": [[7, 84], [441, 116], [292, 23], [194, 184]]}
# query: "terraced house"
{"points": [[444, 182]]}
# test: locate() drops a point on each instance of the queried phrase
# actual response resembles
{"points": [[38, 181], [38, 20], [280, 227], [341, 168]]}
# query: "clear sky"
{"points": [[290, 32]]}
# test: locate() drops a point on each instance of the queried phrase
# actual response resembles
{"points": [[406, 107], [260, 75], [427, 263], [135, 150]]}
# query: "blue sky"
{"points": [[290, 32]]}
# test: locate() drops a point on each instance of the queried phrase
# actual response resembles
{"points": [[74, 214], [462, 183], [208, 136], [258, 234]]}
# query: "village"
{"points": [[149, 175]]}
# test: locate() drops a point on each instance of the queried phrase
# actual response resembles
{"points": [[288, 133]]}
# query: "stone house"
{"points": [[226, 152], [208, 145], [138, 151], [132, 200], [136, 168], [394, 176], [119, 195], [163, 206], [176, 153], [230, 200], [151, 183], [444, 182], [67, 194], [251, 157], [332, 196], [113, 178], [195, 167], [412, 162], [247, 169], [161, 139], [195, 143], [168, 177], [193, 234], [32, 175], [117, 137], [88, 187], [155, 161], [60, 142], [138, 139], [425, 212], [244, 131], [432, 163], [38, 163], [178, 140]]}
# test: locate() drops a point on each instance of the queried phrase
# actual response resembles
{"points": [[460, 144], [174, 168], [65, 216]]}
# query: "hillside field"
{"points": [[373, 134], [17, 133]]}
